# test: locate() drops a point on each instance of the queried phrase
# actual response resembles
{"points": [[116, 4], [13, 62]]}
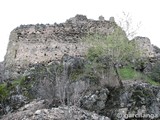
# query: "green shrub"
{"points": [[94, 53], [155, 72], [76, 74], [4, 92]]}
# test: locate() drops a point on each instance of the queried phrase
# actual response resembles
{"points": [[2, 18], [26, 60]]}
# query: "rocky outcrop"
{"points": [[95, 100], [68, 84], [63, 82], [137, 100], [36, 111], [156, 50], [2, 72]]}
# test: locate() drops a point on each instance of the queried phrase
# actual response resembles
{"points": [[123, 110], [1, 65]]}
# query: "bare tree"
{"points": [[126, 23]]}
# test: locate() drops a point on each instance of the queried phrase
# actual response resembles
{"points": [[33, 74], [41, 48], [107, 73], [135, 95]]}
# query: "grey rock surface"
{"points": [[36, 111]]}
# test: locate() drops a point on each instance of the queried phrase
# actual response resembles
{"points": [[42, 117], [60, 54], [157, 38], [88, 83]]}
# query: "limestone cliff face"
{"points": [[30, 44]]}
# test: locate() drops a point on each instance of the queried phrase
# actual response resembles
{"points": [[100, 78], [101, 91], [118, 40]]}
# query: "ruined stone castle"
{"points": [[43, 43], [144, 45], [31, 44]]}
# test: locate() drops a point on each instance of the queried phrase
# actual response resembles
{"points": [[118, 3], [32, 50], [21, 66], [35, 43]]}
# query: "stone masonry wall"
{"points": [[30, 44], [145, 46]]}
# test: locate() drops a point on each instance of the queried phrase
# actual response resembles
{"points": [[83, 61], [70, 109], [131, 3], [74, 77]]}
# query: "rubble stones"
{"points": [[36, 111]]}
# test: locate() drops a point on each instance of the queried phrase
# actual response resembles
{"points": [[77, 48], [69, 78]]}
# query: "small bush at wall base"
{"points": [[155, 73]]}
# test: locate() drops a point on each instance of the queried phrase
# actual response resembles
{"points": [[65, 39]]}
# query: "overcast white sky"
{"points": [[16, 12]]}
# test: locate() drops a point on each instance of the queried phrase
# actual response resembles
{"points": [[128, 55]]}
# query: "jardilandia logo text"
{"points": [[126, 116]]}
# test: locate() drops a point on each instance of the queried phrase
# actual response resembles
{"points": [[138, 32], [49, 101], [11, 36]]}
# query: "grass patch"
{"points": [[128, 73], [152, 82], [19, 81]]}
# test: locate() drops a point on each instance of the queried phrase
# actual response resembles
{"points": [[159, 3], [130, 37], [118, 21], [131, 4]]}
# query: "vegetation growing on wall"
{"points": [[10, 87], [4, 92], [116, 46], [155, 73]]}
